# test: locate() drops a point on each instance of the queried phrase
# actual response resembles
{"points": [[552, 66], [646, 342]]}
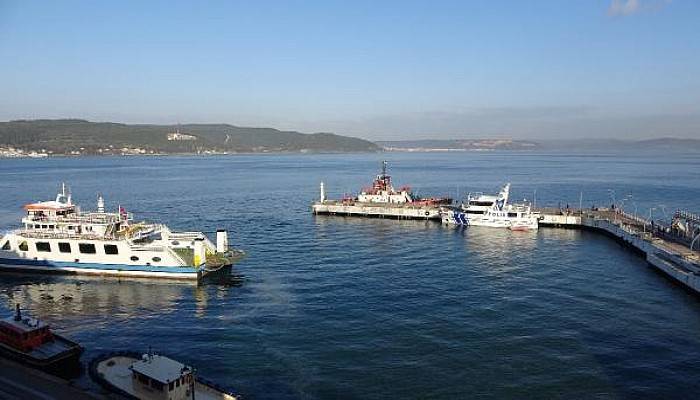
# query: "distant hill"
{"points": [[75, 136], [458, 145], [661, 144]]}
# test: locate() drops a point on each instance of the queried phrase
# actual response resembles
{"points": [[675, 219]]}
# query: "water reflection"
{"points": [[65, 299], [502, 252], [326, 221]]}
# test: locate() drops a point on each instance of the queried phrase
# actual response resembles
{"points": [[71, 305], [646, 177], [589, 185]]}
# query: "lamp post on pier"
{"points": [[622, 208], [651, 209], [695, 239], [611, 192]]}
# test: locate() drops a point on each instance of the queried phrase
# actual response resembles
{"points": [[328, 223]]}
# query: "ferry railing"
{"points": [[61, 235], [74, 220]]}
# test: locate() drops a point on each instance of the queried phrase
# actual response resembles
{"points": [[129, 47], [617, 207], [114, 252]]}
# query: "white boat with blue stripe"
{"points": [[492, 211], [57, 237]]}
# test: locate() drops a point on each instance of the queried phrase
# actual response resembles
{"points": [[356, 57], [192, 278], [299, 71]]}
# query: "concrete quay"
{"points": [[674, 259], [395, 211], [18, 382], [669, 257]]}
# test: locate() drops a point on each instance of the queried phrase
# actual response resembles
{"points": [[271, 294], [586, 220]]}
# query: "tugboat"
{"points": [[57, 237], [152, 377], [492, 211], [31, 342], [382, 200]]}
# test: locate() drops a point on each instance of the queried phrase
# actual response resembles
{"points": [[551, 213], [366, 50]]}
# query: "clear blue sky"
{"points": [[379, 70]]}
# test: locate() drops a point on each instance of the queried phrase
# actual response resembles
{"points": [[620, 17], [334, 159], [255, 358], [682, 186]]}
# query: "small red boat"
{"points": [[31, 342]]}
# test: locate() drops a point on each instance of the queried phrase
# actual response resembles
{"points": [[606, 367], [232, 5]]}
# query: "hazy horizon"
{"points": [[618, 69]]}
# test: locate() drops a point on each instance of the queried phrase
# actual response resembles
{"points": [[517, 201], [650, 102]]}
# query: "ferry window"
{"points": [[87, 248], [43, 227], [156, 259], [43, 247], [70, 227], [24, 246], [512, 215], [50, 226], [6, 246], [64, 247], [134, 258], [111, 249]]}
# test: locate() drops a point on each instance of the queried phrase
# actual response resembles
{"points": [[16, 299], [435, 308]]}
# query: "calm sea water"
{"points": [[334, 307]]}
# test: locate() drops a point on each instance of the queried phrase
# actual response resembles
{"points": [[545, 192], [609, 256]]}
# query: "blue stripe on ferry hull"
{"points": [[460, 218], [72, 267]]}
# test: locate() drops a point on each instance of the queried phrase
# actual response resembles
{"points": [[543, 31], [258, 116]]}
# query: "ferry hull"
{"points": [[463, 219], [111, 270]]}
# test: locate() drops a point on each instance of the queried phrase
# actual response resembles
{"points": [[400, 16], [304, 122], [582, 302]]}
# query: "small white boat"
{"points": [[152, 377], [492, 211]]}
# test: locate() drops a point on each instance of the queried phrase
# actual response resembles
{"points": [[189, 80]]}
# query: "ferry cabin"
{"points": [[493, 206], [57, 231], [157, 377], [383, 192], [384, 196], [85, 251]]}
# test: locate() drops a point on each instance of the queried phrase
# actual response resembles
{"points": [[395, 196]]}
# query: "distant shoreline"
{"points": [[46, 155]]}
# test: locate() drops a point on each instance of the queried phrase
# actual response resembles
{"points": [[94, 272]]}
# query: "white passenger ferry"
{"points": [[492, 211], [57, 237]]}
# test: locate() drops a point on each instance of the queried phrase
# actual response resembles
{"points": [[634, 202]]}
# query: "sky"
{"points": [[381, 70]]}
